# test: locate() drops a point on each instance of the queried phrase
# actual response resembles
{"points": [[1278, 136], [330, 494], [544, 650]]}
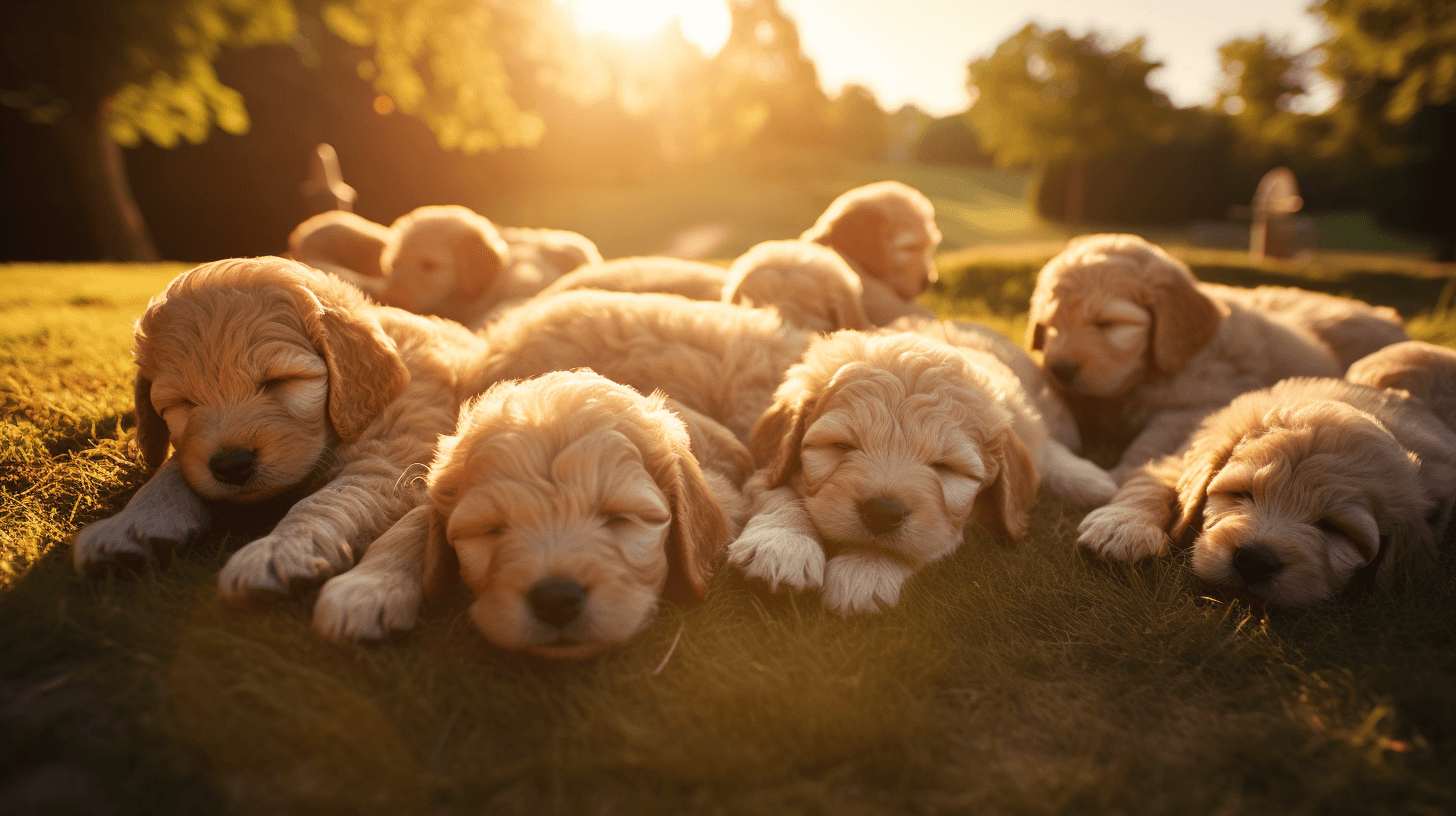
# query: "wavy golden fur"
{"points": [[342, 243], [672, 276], [1421, 370], [810, 285]]}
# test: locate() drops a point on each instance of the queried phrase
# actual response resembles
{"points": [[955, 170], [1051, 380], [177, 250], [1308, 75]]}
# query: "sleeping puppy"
{"points": [[557, 251], [1421, 370], [1133, 341], [886, 232], [269, 379], [1351, 328], [672, 276], [568, 504], [810, 285], [342, 243], [1293, 493], [877, 453]]}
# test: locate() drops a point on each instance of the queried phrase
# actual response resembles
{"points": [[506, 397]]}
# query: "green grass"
{"points": [[1009, 680]]}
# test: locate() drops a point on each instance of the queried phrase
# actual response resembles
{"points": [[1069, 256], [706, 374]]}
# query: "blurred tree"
{"points": [[765, 89], [859, 124], [1045, 96], [1260, 85], [952, 140]]}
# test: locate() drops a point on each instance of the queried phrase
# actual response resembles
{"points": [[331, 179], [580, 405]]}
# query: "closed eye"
{"points": [[843, 446], [1327, 526]]}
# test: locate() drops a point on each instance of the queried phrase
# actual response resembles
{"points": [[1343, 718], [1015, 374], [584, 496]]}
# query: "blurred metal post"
{"points": [[325, 188], [1276, 200]]}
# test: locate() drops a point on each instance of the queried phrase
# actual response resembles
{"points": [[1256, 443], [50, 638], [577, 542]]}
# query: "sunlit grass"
{"points": [[1025, 679]]}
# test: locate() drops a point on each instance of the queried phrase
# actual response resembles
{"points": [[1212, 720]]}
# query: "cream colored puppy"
{"points": [[886, 232], [877, 453], [1125, 327], [269, 378], [568, 504], [671, 276], [1352, 329], [1421, 370], [342, 243], [1293, 493], [810, 285]]}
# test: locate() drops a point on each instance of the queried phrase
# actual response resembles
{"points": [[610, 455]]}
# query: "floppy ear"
{"points": [[1037, 336], [777, 435], [365, 369], [861, 235], [478, 262], [1184, 321], [1004, 507], [1203, 461], [699, 531], [846, 309], [152, 436], [714, 446], [442, 566]]}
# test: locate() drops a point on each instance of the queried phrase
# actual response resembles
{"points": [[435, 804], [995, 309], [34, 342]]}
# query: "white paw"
{"points": [[778, 555], [863, 582], [1121, 533], [127, 540], [274, 565], [363, 604]]}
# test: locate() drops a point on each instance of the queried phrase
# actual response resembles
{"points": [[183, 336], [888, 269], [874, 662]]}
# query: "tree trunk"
{"points": [[99, 171]]}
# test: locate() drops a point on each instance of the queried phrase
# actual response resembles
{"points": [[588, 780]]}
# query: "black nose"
{"points": [[882, 516], [232, 467], [556, 601], [1064, 370], [1256, 564]]}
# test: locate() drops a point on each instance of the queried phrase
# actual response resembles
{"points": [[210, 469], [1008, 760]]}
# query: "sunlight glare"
{"points": [[705, 23]]}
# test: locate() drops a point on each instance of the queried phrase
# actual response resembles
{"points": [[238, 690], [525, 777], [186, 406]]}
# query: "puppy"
{"points": [[342, 243], [877, 453], [886, 232], [1129, 336], [270, 379], [1294, 492], [672, 276], [1420, 370], [1352, 329], [557, 251], [809, 284], [568, 504]]}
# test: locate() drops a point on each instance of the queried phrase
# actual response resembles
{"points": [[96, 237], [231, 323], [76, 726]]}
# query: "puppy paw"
{"points": [[1121, 534], [366, 605], [277, 565], [126, 541], [863, 582], [777, 555]]}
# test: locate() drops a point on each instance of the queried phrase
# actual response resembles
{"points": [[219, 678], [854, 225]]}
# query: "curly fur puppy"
{"points": [[1127, 333], [269, 378], [342, 243], [1351, 328], [877, 453], [568, 504], [1420, 370], [1294, 492], [887, 233], [557, 251], [809, 284], [649, 273]]}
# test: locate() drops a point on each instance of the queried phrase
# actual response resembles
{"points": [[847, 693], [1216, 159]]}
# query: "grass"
{"points": [[1009, 680]]}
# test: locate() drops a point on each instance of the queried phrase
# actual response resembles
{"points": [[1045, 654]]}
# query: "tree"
{"points": [[860, 125], [1045, 96], [764, 87], [1260, 85]]}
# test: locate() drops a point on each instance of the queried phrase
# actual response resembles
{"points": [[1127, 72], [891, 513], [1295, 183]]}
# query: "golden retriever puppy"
{"points": [[650, 273], [268, 378], [887, 233], [558, 251], [1125, 327], [1420, 370], [1351, 328], [1294, 492], [877, 453], [568, 504], [809, 284], [342, 243]]}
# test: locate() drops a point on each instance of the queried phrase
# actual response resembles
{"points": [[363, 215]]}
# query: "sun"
{"points": [[705, 23]]}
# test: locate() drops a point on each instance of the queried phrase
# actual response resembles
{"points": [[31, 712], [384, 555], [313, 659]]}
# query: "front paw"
{"points": [[1121, 534], [278, 565], [863, 582], [126, 541], [366, 605], [778, 555]]}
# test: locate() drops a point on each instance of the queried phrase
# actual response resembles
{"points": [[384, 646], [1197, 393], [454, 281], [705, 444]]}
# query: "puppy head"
{"points": [[442, 259], [1112, 311], [886, 230], [340, 238], [811, 286], [570, 503], [894, 441], [1294, 500], [252, 368]]}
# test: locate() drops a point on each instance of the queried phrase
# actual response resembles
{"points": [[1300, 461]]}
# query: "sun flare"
{"points": [[704, 23]]}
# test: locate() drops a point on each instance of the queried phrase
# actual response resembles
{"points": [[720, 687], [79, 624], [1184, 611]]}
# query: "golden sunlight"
{"points": [[704, 23]]}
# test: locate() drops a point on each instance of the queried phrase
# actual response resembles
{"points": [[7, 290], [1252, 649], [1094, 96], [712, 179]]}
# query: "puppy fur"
{"points": [[877, 453], [568, 504], [1351, 328], [810, 285], [554, 250], [269, 378], [1420, 370], [1127, 333], [886, 232], [342, 243], [672, 276], [1293, 493]]}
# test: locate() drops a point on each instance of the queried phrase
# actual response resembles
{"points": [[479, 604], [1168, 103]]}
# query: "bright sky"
{"points": [[917, 50]]}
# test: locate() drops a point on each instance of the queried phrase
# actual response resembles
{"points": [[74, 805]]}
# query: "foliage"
{"points": [[1409, 43], [860, 126], [765, 89]]}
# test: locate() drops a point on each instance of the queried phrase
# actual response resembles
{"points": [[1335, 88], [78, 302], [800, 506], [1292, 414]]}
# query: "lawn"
{"points": [[1009, 680]]}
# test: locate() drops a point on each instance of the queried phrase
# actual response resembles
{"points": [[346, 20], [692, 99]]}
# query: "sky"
{"points": [[916, 51]]}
